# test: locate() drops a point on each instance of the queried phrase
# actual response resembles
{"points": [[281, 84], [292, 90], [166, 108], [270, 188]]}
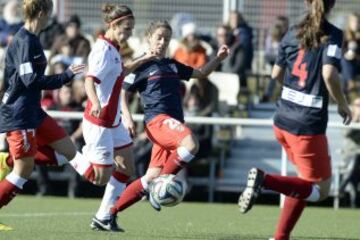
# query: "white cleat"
{"points": [[252, 190]]}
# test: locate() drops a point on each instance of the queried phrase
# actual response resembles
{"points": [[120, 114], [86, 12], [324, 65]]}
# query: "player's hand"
{"points": [[345, 113], [223, 52], [130, 126], [95, 110], [77, 68]]}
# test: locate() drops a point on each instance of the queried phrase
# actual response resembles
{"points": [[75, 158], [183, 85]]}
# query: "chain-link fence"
{"points": [[206, 13], [260, 14]]}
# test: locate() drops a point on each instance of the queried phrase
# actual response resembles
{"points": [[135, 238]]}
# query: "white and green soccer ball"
{"points": [[168, 190]]}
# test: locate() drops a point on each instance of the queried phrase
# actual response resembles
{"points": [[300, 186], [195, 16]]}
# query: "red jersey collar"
{"points": [[115, 45]]}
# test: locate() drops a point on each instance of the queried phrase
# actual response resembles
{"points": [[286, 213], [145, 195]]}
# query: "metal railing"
{"points": [[235, 122]]}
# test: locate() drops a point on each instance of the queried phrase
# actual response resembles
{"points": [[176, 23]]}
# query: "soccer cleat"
{"points": [[4, 168], [106, 225], [4, 227], [252, 191]]}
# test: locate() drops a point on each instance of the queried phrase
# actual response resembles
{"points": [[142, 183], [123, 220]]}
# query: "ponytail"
{"points": [[311, 31]]}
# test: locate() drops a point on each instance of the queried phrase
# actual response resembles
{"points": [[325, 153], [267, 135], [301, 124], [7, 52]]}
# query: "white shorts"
{"points": [[100, 142]]}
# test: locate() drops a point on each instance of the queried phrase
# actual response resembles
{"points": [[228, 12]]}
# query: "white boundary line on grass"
{"points": [[15, 215]]}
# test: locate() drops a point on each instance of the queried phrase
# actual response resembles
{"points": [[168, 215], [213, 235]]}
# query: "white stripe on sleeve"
{"points": [[334, 51], [130, 78], [25, 68]]}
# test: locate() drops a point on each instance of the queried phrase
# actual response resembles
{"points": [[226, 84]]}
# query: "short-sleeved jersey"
{"points": [[24, 79], [303, 107], [105, 67], [158, 83]]}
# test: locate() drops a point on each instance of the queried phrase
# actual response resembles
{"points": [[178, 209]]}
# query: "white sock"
{"points": [[144, 183], [16, 180], [80, 164], [60, 159], [315, 194], [184, 154], [112, 191]]}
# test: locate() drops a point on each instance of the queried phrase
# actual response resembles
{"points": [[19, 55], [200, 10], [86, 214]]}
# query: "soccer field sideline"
{"points": [[61, 218]]}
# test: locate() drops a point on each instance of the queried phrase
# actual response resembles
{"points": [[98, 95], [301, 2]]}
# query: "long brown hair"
{"points": [[114, 13], [155, 25], [311, 31]]}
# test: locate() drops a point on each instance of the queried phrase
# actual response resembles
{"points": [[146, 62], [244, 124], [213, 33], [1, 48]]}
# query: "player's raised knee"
{"points": [[191, 144], [102, 175]]}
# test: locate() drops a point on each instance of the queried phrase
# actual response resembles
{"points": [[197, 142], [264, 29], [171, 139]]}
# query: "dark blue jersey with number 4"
{"points": [[302, 108]]}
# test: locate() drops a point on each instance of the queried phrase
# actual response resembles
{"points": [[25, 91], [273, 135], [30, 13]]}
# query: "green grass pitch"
{"points": [[62, 218]]}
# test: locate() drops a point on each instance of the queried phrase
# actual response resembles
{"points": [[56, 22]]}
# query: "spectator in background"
{"points": [[79, 45], [10, 23], [178, 20], [351, 159], [190, 51], [351, 61], [50, 97], [194, 105], [208, 97], [243, 34], [79, 94], [51, 33], [272, 43], [236, 62], [65, 55]]}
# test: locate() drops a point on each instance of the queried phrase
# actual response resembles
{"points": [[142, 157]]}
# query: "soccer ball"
{"points": [[168, 190]]}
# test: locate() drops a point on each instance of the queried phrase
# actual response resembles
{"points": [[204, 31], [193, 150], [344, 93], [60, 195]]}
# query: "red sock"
{"points": [[7, 192], [45, 155], [173, 164], [121, 177], [89, 174], [290, 214], [290, 186], [10, 161], [133, 193]]}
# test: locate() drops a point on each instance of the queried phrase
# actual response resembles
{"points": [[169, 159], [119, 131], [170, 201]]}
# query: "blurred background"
{"points": [[240, 95]]}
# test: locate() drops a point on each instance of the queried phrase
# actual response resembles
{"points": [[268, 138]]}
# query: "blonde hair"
{"points": [[311, 31], [31, 8]]}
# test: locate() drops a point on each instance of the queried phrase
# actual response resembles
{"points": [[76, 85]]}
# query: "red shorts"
{"points": [[24, 143], [166, 133], [309, 153]]}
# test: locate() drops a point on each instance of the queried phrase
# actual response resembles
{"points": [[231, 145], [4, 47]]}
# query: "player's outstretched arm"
{"points": [[51, 82], [212, 64], [132, 65]]}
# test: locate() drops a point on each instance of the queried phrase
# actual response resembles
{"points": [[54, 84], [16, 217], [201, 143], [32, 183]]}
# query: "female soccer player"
{"points": [[21, 117], [158, 82], [308, 67], [105, 136]]}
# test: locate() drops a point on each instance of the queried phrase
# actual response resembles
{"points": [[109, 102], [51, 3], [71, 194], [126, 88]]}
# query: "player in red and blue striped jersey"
{"points": [[158, 83], [308, 67]]}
